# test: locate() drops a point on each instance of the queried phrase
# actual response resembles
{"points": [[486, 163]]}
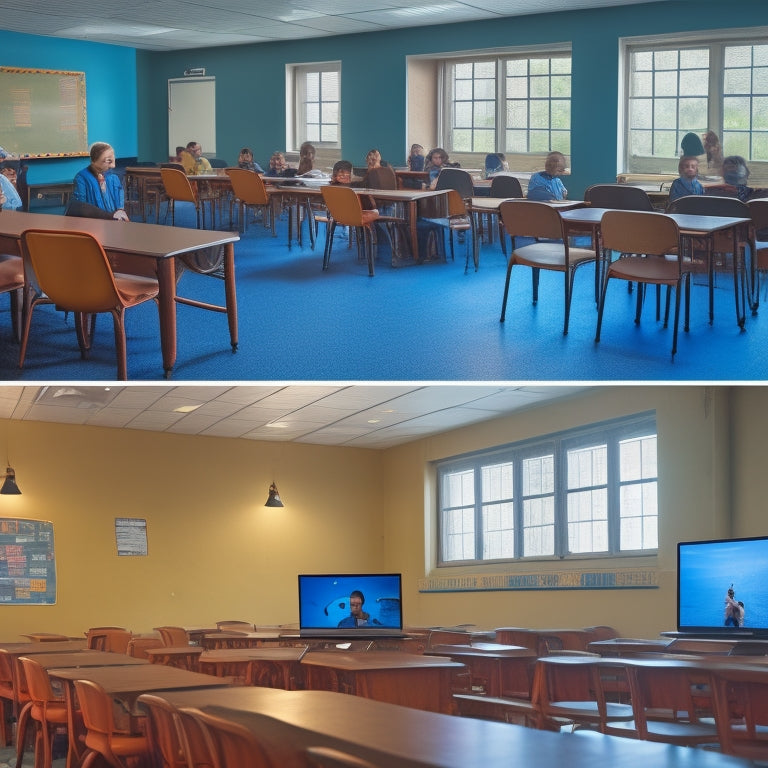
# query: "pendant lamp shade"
{"points": [[274, 499]]}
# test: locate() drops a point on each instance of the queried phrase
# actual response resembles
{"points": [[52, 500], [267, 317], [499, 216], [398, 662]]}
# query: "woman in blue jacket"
{"points": [[97, 185]]}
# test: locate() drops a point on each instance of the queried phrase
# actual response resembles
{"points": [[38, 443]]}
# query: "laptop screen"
{"points": [[348, 604], [721, 586]]}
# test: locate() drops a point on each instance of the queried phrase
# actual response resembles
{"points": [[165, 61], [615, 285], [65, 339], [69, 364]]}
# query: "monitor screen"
{"points": [[721, 586], [350, 603]]}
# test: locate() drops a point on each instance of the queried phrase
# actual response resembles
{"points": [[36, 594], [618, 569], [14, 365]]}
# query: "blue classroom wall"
{"points": [[110, 85], [373, 76]]}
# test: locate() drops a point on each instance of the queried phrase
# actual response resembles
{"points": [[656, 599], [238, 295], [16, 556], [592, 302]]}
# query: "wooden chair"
{"points": [[740, 699], [12, 282], [138, 646], [250, 192], [345, 209], [163, 732], [507, 186], [114, 639], [758, 210], [551, 251], [8, 698], [173, 636], [178, 188], [102, 740], [622, 197], [327, 757], [72, 271], [229, 743], [648, 244], [47, 710]]}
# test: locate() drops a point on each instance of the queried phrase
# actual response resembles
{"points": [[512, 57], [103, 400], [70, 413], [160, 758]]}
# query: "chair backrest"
{"points": [[327, 757], [96, 707], [623, 197], [37, 681], [343, 204], [528, 218], [506, 186], [458, 179], [193, 740], [248, 186], [456, 204], [173, 636], [230, 744], [72, 269], [164, 731], [178, 186], [138, 646], [704, 205], [652, 234], [758, 210], [114, 639], [381, 178]]}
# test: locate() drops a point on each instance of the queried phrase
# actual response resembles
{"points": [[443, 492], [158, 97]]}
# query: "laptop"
{"points": [[347, 606]]}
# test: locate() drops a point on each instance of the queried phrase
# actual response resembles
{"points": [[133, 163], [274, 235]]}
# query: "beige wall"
{"points": [[215, 552]]}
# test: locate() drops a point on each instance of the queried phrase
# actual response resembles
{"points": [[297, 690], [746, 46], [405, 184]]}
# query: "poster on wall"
{"points": [[27, 562], [131, 536]]}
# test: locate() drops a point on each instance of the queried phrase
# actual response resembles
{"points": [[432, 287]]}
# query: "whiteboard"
{"points": [[192, 113]]}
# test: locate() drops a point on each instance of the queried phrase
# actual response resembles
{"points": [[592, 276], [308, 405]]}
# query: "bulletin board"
{"points": [[43, 113], [27, 562]]}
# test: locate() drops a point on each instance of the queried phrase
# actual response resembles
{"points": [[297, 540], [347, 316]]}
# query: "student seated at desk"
{"points": [[306, 158], [688, 183], [193, 161], [10, 200], [735, 177], [97, 185], [278, 166], [246, 161], [546, 185], [342, 173]]}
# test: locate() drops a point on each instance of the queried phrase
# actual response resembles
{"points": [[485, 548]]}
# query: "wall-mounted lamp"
{"points": [[274, 499], [9, 486]]}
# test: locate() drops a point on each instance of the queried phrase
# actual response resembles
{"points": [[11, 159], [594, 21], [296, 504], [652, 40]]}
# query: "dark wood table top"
{"points": [[27, 649], [392, 736], [486, 650], [375, 660], [87, 659]]}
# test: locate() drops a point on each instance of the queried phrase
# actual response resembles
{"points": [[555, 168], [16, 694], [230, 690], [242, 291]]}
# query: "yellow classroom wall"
{"points": [[215, 552]]}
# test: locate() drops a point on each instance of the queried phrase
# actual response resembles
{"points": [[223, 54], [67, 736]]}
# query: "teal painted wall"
{"points": [[250, 80], [110, 83]]}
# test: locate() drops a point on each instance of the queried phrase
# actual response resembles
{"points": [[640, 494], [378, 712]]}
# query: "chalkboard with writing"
{"points": [[43, 113], [27, 562]]}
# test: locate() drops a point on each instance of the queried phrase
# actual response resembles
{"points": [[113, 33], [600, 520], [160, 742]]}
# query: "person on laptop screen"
{"points": [[357, 616]]}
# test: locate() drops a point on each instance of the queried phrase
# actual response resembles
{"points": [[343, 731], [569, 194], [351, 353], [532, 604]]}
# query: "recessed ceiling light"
{"points": [[277, 425], [374, 421], [186, 408]]}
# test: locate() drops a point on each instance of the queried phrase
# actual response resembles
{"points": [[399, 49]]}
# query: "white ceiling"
{"points": [[165, 25], [361, 415]]}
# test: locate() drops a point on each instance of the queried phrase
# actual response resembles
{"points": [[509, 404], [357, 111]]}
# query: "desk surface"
{"points": [[87, 659], [375, 660], [486, 650], [391, 736], [27, 649]]}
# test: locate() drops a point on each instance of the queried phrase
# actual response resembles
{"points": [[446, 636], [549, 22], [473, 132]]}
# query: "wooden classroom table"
{"points": [[413, 680], [145, 249], [272, 667], [125, 684], [501, 670], [218, 640], [87, 658], [624, 646], [390, 736], [181, 656]]}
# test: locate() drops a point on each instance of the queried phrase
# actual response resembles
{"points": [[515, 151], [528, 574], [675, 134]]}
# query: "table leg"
{"points": [[166, 299], [230, 293], [413, 220]]}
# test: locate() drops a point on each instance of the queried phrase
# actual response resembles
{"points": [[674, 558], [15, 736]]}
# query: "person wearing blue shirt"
{"points": [[546, 185], [357, 616], [10, 200], [97, 185], [688, 183]]}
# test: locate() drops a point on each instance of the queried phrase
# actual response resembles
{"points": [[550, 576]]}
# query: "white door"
{"points": [[192, 113]]}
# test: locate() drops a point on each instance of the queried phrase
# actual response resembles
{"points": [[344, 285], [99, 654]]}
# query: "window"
{"points": [[317, 103], [513, 104], [675, 87], [591, 491]]}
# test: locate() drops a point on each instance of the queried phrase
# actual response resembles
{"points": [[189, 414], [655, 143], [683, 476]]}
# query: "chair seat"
{"points": [[550, 254], [635, 268], [55, 712], [134, 289], [11, 270]]}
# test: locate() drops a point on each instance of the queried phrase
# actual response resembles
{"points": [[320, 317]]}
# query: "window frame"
{"points": [[446, 109], [295, 98], [716, 42], [611, 432]]}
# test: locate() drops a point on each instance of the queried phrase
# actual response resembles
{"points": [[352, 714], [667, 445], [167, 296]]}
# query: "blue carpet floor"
{"points": [[430, 322]]}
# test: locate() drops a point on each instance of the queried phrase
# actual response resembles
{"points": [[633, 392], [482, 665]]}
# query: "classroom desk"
{"points": [[691, 227], [422, 177], [390, 736], [625, 646], [219, 640], [494, 669], [273, 667], [182, 657], [413, 680], [146, 249], [86, 658], [125, 684]]}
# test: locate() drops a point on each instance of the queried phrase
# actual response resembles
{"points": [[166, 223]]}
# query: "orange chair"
{"points": [[251, 192], [138, 646], [114, 639], [163, 732], [173, 636], [8, 700], [229, 743], [178, 188], [45, 709], [12, 281], [102, 741], [345, 208], [72, 271]]}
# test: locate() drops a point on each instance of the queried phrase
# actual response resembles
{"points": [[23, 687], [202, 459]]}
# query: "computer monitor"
{"points": [[722, 587], [350, 605]]}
